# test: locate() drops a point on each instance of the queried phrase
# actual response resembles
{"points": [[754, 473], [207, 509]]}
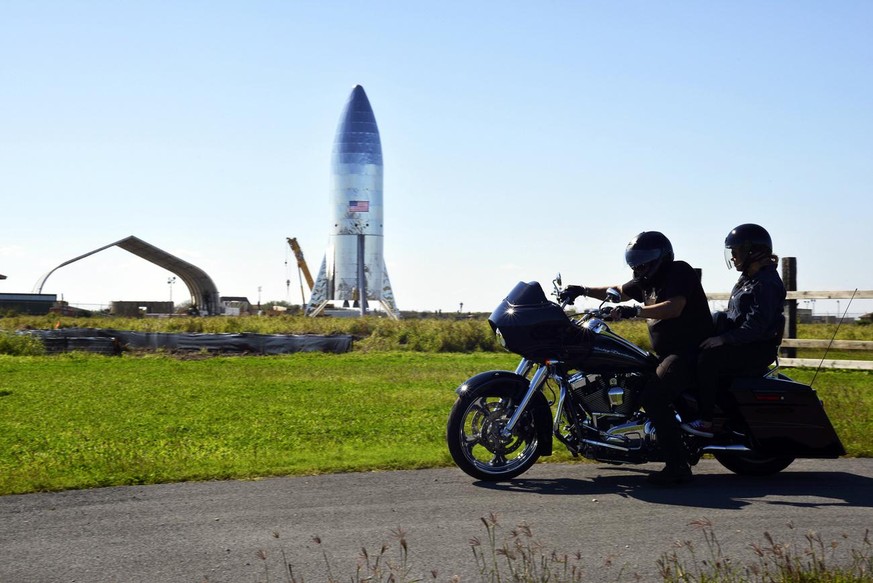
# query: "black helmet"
{"points": [[647, 253], [746, 243]]}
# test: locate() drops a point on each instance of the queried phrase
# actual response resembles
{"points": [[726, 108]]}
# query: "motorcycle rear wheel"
{"points": [[752, 464], [474, 438]]}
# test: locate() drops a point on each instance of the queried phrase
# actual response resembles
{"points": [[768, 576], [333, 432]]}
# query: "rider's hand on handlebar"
{"points": [[624, 312], [571, 292]]}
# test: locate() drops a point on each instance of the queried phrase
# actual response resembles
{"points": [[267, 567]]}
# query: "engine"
{"points": [[608, 395]]}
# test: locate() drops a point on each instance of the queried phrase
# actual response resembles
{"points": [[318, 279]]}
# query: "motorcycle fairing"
{"points": [[785, 418], [531, 325]]}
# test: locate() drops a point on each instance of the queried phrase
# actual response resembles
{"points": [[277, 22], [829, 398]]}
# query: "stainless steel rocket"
{"points": [[353, 271]]}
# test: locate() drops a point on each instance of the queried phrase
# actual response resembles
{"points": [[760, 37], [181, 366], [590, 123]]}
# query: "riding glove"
{"points": [[571, 292]]}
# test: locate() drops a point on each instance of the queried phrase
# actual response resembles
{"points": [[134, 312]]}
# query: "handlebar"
{"points": [[603, 313]]}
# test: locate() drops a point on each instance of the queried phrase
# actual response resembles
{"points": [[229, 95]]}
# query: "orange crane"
{"points": [[302, 269]]}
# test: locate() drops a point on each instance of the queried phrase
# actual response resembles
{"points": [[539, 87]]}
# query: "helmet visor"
{"points": [[731, 256], [636, 258]]}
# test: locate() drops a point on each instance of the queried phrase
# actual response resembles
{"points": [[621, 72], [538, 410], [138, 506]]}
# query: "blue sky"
{"points": [[519, 138]]}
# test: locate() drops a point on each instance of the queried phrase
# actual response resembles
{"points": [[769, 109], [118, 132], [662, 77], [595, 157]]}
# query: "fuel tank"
{"points": [[612, 353]]}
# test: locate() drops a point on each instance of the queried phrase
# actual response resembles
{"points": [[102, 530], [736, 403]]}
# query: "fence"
{"points": [[790, 341]]}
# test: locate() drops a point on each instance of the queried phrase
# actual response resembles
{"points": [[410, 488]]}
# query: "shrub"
{"points": [[20, 344]]}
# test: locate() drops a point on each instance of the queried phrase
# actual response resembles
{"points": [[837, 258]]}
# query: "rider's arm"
{"points": [[670, 308], [600, 293]]}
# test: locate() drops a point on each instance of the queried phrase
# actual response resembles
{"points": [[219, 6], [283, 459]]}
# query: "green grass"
{"points": [[79, 420], [848, 399]]}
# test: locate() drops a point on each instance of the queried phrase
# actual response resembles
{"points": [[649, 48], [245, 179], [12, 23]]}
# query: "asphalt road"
{"points": [[247, 531]]}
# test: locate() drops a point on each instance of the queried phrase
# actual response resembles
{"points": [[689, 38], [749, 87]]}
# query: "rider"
{"points": [[678, 315], [748, 335]]}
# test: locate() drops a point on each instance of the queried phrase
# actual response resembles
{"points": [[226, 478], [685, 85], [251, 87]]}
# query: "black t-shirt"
{"points": [[694, 324]]}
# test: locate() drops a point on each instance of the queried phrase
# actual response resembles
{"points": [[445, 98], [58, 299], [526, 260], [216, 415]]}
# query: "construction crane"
{"points": [[302, 269]]}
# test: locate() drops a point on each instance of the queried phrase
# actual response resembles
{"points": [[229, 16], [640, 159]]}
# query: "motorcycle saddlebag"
{"points": [[785, 417]]}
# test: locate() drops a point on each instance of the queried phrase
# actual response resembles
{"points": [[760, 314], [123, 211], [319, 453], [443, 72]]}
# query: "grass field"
{"points": [[79, 420]]}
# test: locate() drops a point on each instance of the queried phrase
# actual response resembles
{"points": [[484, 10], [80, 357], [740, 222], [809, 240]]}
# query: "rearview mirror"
{"points": [[613, 295]]}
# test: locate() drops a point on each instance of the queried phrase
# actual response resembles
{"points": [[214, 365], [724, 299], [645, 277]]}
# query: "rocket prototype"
{"points": [[353, 271]]}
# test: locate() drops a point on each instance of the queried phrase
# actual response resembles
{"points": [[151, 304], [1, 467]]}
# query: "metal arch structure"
{"points": [[204, 294]]}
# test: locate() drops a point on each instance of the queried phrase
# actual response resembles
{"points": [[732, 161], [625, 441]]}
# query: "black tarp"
{"points": [[107, 341]]}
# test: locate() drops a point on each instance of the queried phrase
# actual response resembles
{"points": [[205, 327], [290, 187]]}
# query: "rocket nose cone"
{"points": [[357, 136], [358, 102]]}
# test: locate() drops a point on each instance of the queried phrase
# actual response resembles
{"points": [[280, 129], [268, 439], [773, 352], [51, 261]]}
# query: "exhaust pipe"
{"points": [[601, 444], [734, 448]]}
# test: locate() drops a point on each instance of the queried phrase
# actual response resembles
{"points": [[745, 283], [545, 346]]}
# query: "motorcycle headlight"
{"points": [[500, 339]]}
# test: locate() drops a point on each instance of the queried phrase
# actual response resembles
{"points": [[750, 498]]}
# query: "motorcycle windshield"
{"points": [[527, 294]]}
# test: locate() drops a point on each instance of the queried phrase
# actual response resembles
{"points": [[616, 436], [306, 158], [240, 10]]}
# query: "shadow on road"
{"points": [[797, 489]]}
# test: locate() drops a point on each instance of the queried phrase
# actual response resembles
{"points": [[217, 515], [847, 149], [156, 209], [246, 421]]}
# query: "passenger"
{"points": [[678, 315], [748, 334]]}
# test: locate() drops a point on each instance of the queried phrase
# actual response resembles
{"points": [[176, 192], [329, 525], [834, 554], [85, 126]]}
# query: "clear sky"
{"points": [[519, 138]]}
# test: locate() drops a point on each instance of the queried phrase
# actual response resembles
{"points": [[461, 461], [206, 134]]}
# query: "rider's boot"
{"points": [[699, 427], [671, 475]]}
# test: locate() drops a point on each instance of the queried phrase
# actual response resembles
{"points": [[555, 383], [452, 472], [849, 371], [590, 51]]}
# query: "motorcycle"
{"points": [[581, 383]]}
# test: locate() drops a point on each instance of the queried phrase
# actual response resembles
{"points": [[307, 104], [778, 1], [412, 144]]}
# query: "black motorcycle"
{"points": [[582, 383]]}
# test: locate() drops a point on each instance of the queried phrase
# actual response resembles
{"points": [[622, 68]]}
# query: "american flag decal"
{"points": [[359, 206]]}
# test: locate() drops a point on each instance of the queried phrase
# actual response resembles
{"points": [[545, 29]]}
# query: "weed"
{"points": [[775, 562], [20, 344], [517, 557], [520, 558]]}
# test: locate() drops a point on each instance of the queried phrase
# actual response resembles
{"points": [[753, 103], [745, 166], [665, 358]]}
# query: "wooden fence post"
{"points": [[789, 278]]}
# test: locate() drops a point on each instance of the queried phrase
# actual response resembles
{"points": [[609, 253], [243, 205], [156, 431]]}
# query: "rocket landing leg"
{"points": [[320, 298], [387, 299]]}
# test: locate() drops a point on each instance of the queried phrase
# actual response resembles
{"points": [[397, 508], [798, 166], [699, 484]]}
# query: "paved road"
{"points": [[215, 531]]}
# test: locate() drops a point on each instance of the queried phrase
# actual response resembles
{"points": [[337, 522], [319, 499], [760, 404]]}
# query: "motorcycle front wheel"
{"points": [[475, 435], [751, 464]]}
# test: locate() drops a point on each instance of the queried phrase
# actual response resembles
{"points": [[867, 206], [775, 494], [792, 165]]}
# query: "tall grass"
{"points": [[20, 344], [811, 561], [370, 333], [516, 556], [431, 336], [468, 334]]}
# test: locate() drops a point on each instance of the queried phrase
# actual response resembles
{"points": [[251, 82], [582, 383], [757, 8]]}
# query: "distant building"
{"points": [[804, 315], [235, 305], [32, 304], [136, 309]]}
